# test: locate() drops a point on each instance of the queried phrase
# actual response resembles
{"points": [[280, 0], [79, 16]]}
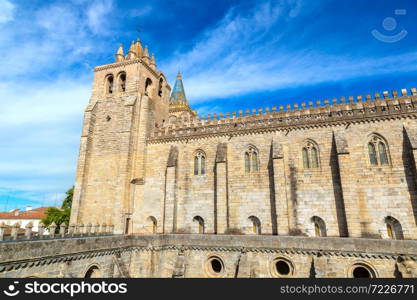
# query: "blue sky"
{"points": [[233, 55]]}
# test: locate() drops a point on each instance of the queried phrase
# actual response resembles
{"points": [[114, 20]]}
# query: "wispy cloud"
{"points": [[96, 15], [246, 53], [141, 12], [6, 11]]}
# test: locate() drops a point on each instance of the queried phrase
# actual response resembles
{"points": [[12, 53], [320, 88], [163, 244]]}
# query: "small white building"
{"points": [[14, 216]]}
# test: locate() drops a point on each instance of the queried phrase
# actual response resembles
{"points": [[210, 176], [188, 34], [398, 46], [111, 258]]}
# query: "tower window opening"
{"points": [[122, 82], [148, 83], [161, 82], [109, 84]]}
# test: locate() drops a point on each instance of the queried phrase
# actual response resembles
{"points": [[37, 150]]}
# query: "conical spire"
{"points": [[178, 93], [132, 51], [119, 54], [139, 49], [145, 55], [153, 63]]}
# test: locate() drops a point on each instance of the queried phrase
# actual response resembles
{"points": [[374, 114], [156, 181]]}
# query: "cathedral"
{"points": [[336, 170]]}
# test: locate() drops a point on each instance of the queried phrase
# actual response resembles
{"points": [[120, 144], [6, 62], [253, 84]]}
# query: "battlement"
{"points": [[307, 114]]}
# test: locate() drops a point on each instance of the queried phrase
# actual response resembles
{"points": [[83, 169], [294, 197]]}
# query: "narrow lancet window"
{"points": [[378, 151], [199, 163], [251, 160], [310, 155]]}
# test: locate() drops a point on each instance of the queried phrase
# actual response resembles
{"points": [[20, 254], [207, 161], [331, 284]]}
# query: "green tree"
{"points": [[59, 215]]}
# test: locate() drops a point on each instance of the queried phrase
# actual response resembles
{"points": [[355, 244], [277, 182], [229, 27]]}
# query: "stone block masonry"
{"points": [[193, 255]]}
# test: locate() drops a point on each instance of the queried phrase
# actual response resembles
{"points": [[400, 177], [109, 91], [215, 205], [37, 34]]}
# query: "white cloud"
{"points": [[40, 129], [96, 15], [250, 53], [6, 11]]}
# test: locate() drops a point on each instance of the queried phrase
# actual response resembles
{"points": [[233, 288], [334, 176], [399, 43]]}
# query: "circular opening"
{"points": [[361, 272], [282, 267], [216, 265]]}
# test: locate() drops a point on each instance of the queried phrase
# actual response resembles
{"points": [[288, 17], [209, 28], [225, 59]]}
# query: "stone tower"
{"points": [[129, 98]]}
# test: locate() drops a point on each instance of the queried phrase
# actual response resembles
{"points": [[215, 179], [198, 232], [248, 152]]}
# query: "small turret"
{"points": [[119, 55], [145, 55], [139, 49], [132, 51], [153, 63]]}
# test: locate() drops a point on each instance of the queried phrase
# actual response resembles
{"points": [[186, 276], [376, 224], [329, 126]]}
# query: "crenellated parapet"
{"points": [[306, 115]]}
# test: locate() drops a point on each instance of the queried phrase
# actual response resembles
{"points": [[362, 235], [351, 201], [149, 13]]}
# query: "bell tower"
{"points": [[129, 98]]}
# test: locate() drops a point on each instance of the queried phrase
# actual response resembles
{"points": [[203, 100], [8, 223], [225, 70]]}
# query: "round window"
{"points": [[361, 272], [215, 266], [282, 267]]}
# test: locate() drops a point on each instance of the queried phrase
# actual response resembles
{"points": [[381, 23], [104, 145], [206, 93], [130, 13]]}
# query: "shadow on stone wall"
{"points": [[338, 191], [294, 203], [410, 172], [272, 193]]}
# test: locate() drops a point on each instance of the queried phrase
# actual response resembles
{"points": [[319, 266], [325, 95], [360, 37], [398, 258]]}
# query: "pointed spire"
{"points": [[119, 54], [132, 52], [139, 49], [178, 93], [153, 63], [145, 55]]}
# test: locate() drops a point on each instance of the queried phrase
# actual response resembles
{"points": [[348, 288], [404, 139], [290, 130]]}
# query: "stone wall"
{"points": [[346, 191], [191, 256]]}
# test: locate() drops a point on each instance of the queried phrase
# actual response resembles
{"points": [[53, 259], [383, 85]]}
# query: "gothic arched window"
{"points": [[109, 84], [161, 82], [394, 228], [148, 83], [251, 160], [378, 151], [310, 155], [319, 226], [256, 225], [122, 82], [200, 163], [200, 222]]}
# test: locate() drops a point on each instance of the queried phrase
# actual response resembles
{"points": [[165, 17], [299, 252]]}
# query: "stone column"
{"points": [[170, 205], [71, 230], [221, 190], [62, 229], [80, 229], [280, 191], [348, 186], [103, 228], [2, 228], [41, 230], [15, 230], [28, 231], [88, 229], [52, 229]]}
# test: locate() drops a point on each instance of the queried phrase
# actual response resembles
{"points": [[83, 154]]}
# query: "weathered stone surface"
{"points": [[187, 256]]}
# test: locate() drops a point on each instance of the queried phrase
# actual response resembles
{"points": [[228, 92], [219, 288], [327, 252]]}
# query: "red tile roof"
{"points": [[34, 214]]}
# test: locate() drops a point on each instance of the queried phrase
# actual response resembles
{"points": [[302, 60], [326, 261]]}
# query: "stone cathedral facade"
{"points": [[329, 186]]}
